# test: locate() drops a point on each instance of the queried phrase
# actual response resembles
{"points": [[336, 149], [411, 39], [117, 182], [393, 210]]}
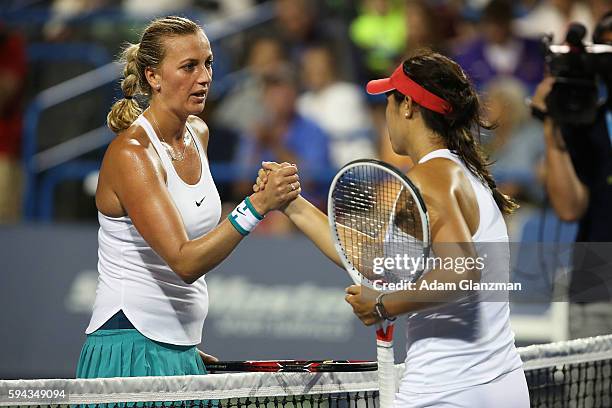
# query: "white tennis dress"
{"points": [[133, 278], [462, 354]]}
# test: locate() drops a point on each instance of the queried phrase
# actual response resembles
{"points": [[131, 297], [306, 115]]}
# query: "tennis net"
{"points": [[576, 374]]}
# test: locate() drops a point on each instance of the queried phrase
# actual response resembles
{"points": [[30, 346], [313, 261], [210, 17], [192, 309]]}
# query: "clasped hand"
{"points": [[278, 184], [265, 173]]}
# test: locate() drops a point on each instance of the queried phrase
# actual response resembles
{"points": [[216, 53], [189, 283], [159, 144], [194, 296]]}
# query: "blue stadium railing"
{"points": [[88, 53], [44, 100]]}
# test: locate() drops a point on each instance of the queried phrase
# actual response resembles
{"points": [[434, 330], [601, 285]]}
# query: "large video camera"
{"points": [[577, 69]]}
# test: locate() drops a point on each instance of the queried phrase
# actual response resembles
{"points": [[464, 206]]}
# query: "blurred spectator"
{"points": [[155, 7], [425, 26], [12, 82], [242, 107], [230, 7], [300, 24], [554, 16], [296, 23], [284, 136], [336, 106], [62, 10], [515, 146], [499, 51], [379, 31]]}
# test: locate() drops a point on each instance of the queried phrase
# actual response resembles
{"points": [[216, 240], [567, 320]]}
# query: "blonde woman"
{"points": [[159, 212]]}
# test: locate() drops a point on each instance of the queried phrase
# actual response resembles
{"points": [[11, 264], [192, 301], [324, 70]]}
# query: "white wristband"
{"points": [[245, 217]]}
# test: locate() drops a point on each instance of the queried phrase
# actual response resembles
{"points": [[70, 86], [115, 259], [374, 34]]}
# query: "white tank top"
{"points": [[133, 278], [468, 342]]}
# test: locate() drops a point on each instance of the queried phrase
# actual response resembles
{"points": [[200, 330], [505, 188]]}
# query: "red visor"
{"points": [[400, 81]]}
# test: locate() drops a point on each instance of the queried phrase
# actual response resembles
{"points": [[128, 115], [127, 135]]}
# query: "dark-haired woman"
{"points": [[460, 348], [159, 212]]}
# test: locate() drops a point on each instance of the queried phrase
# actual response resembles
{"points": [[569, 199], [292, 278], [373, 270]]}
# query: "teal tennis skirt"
{"points": [[127, 353]]}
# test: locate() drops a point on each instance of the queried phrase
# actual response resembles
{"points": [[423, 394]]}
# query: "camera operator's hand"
{"points": [[552, 137], [568, 195], [542, 90]]}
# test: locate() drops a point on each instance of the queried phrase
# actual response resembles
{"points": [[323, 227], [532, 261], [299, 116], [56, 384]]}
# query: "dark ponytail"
{"points": [[446, 79]]}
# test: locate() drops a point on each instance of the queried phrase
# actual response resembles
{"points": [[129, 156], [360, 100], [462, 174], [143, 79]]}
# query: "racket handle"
{"points": [[386, 366]]}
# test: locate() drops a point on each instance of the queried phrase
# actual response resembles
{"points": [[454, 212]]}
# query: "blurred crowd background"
{"points": [[288, 85]]}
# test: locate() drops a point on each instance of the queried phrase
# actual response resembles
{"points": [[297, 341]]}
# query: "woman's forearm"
{"points": [[199, 256], [314, 224]]}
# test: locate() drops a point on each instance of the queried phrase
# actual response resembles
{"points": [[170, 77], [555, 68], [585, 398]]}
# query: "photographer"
{"points": [[579, 174]]}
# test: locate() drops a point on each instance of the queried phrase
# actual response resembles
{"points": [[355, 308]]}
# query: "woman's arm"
{"points": [[314, 224], [568, 195], [307, 218], [133, 172]]}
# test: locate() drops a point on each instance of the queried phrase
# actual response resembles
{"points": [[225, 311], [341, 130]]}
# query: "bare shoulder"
{"points": [[449, 197], [200, 127], [436, 177], [131, 151]]}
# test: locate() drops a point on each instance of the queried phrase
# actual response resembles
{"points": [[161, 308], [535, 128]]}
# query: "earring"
{"points": [[406, 115], [158, 87]]}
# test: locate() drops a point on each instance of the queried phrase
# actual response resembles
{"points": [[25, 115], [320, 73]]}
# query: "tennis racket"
{"points": [[376, 213], [274, 366]]}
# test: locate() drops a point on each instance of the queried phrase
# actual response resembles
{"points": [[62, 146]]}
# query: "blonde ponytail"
{"points": [[125, 111]]}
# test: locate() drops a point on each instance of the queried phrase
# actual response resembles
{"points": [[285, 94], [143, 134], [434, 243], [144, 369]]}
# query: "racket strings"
{"points": [[376, 218]]}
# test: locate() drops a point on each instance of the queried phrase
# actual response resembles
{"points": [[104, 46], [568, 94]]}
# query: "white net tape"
{"points": [[254, 385]]}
